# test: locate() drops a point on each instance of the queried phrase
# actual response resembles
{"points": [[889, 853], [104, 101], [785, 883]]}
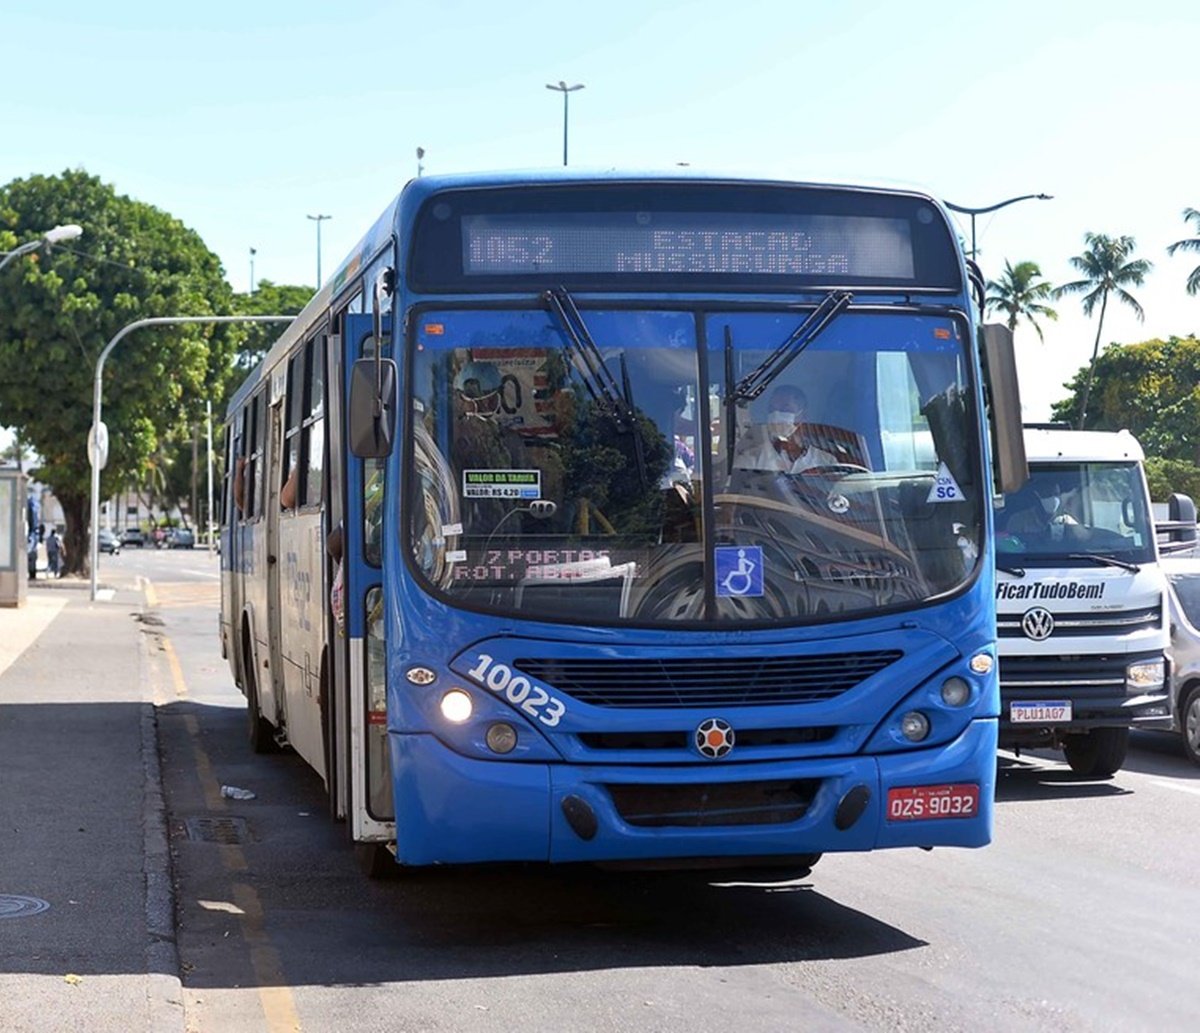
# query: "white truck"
{"points": [[1081, 619]]}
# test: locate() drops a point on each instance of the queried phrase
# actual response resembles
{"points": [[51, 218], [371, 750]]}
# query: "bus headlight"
{"points": [[501, 737], [982, 663], [456, 706], [955, 692], [914, 726], [1145, 676]]}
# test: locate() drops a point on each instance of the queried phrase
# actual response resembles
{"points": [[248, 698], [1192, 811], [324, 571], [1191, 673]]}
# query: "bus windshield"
{"points": [[608, 465]]}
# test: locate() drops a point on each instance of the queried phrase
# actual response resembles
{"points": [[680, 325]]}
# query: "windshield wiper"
{"points": [[1014, 571], [1106, 561], [587, 359], [613, 401], [761, 377]]}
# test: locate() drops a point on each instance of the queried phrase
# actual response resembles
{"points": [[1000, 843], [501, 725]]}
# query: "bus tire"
{"points": [[259, 731], [376, 861], [1098, 753], [1189, 723]]}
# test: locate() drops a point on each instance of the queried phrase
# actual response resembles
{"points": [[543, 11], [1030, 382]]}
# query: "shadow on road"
{"points": [[1020, 779], [330, 925]]}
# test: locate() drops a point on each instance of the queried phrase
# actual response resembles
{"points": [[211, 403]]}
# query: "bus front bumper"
{"points": [[452, 809]]}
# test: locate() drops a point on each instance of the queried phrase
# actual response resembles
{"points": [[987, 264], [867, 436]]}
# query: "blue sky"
{"points": [[242, 118]]}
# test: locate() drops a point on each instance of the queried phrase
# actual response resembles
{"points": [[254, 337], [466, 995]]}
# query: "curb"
{"points": [[164, 988]]}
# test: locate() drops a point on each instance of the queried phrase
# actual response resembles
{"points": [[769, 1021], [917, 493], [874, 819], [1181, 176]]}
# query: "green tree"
{"points": [[268, 299], [1107, 268], [1152, 389], [1020, 293], [1189, 244], [59, 310]]}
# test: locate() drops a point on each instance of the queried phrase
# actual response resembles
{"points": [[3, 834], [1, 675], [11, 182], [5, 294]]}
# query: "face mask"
{"points": [[1051, 505], [780, 424]]}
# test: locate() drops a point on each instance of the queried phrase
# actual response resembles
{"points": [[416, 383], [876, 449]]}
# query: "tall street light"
{"points": [[565, 90], [253, 252], [54, 236], [972, 212], [318, 219], [420, 167]]}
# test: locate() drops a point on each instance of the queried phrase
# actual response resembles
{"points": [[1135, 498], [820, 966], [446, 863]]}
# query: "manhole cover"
{"points": [[228, 831], [21, 907]]}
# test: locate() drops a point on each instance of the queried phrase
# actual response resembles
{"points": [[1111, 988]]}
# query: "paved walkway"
{"points": [[86, 914]]}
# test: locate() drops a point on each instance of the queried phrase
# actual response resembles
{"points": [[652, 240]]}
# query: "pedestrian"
{"points": [[55, 553], [31, 548]]}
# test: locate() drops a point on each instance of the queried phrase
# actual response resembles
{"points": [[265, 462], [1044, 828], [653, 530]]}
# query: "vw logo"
{"points": [[1038, 624], [714, 738]]}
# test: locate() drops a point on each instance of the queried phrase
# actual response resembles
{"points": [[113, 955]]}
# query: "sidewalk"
{"points": [[86, 913]]}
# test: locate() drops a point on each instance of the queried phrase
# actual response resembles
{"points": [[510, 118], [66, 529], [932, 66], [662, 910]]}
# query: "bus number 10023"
{"points": [[518, 690]]}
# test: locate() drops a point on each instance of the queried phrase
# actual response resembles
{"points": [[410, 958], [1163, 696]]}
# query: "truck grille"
{"points": [[708, 681], [1120, 622], [1031, 677]]}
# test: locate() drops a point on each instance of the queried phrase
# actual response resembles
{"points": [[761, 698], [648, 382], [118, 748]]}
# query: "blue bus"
{"points": [[630, 518]]}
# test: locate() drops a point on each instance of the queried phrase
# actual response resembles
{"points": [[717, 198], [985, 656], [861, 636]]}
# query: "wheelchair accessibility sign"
{"points": [[739, 570]]}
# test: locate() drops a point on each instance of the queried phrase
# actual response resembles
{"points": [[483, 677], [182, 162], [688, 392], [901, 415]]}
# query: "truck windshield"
{"points": [[650, 492], [1067, 510]]}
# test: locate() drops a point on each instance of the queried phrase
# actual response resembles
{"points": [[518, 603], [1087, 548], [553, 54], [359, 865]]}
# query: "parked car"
{"points": [[133, 536], [1183, 605], [181, 538], [108, 541]]}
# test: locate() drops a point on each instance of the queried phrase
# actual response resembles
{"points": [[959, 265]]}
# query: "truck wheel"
{"points": [[1189, 724], [1098, 753]]}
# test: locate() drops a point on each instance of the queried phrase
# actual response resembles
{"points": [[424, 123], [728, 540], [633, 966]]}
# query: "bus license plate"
{"points": [[1043, 712], [921, 803]]}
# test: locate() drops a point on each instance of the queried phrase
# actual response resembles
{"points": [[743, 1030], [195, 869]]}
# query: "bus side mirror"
{"points": [[1010, 469], [371, 420]]}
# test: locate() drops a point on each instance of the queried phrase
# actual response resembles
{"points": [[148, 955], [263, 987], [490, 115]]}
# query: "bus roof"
{"points": [[415, 191]]}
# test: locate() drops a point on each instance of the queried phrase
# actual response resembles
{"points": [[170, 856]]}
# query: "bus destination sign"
{"points": [[688, 243]]}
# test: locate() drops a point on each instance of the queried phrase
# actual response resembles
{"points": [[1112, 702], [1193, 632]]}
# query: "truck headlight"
{"points": [[1145, 676]]}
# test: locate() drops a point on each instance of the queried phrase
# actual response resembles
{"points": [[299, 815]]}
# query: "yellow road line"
{"points": [[278, 1004]]}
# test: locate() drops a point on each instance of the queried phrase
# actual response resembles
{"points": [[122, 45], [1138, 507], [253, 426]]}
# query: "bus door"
{"points": [[272, 706], [337, 667], [365, 528]]}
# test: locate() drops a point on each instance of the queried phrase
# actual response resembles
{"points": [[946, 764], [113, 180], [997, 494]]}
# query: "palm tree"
{"points": [[1020, 293], [1191, 244], [1107, 268]]}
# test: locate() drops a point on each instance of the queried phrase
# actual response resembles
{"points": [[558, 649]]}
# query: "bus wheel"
{"points": [[1098, 753], [260, 731], [376, 860]]}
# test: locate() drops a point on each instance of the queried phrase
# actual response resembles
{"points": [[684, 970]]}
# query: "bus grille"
{"points": [[713, 805], [710, 681]]}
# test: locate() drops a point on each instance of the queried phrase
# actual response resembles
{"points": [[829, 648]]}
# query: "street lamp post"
{"points": [[318, 219], [972, 212], [565, 90], [253, 252], [98, 439], [54, 236], [420, 167]]}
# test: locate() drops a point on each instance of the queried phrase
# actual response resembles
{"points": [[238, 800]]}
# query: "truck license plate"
{"points": [[1044, 712], [919, 803]]}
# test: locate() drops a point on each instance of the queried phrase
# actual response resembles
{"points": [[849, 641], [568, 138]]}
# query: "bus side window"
{"points": [[313, 431], [290, 473]]}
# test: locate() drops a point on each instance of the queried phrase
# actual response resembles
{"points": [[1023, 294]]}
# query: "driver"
{"points": [[782, 444], [1038, 512]]}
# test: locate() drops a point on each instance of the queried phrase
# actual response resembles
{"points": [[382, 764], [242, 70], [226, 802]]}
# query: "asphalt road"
{"points": [[1082, 915]]}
